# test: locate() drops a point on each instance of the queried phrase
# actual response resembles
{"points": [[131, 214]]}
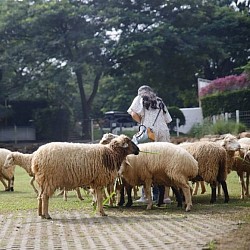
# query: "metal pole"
{"points": [[177, 126]]}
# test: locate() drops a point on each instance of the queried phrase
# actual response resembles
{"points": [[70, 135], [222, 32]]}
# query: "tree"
{"points": [[59, 40]]}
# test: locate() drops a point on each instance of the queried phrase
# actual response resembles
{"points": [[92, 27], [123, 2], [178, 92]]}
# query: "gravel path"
{"points": [[119, 230]]}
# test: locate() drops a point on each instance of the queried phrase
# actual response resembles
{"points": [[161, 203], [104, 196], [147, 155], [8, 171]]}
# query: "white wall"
{"points": [[193, 116]]}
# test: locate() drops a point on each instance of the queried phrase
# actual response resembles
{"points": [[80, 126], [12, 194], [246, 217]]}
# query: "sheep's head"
{"points": [[245, 152], [125, 144], [230, 143], [106, 138]]}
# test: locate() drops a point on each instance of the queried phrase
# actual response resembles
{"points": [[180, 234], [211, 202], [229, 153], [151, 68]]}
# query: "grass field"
{"points": [[24, 198]]}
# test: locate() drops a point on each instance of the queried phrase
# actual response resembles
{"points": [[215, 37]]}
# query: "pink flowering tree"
{"points": [[227, 83]]}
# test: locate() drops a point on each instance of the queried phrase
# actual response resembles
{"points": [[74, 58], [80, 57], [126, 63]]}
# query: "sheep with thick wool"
{"points": [[161, 163], [24, 161], [241, 165], [6, 174], [214, 161], [61, 165]]}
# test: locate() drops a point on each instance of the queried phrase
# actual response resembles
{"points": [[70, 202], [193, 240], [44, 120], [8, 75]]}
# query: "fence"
{"points": [[17, 134], [237, 116]]}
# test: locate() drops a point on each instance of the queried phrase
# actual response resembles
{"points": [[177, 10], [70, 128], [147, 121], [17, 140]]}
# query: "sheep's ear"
{"points": [[223, 143]]}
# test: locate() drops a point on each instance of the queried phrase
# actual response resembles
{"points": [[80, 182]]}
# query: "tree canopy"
{"points": [[91, 56]]}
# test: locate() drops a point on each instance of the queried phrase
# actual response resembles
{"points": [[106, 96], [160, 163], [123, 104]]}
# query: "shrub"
{"points": [[175, 112], [219, 128]]}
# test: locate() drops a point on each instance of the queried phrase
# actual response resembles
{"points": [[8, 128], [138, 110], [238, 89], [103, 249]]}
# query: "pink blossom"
{"points": [[227, 83]]}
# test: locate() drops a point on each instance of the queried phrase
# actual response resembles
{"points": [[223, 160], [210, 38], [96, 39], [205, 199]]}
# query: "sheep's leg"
{"points": [[161, 195], [147, 187], [39, 198], [135, 189], [242, 182], [60, 193], [178, 196], [213, 193], [225, 190], [247, 184], [187, 194], [45, 207], [79, 195], [129, 194], [65, 195], [33, 185], [196, 187], [11, 184], [203, 188], [4, 183], [99, 196], [122, 196]]}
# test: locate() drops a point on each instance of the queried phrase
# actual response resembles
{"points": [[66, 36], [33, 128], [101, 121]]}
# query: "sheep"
{"points": [[6, 174], [22, 160], [242, 165], [125, 185], [163, 163], [244, 140], [70, 165], [214, 161]]}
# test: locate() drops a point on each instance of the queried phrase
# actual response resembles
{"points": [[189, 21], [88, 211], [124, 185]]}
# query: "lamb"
{"points": [[70, 165], [214, 161], [22, 160], [164, 164], [6, 174], [242, 166]]}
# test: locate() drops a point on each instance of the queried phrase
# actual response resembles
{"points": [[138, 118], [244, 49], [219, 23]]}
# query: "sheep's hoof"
{"points": [[149, 207], [120, 204], [46, 217], [102, 214], [188, 208]]}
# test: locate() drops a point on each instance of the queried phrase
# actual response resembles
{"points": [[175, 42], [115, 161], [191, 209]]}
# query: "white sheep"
{"points": [[6, 174], [22, 160], [214, 161], [244, 140], [162, 163], [61, 165]]}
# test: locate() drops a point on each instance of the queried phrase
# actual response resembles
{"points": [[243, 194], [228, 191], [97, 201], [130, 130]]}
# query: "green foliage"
{"points": [[175, 113], [226, 102], [53, 124], [219, 128], [222, 127], [199, 130], [49, 46]]}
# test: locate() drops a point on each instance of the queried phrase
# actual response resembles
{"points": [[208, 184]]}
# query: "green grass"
{"points": [[24, 198]]}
